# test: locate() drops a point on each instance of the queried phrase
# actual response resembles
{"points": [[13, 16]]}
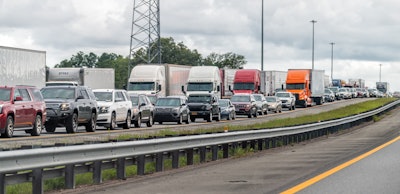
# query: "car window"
{"points": [[224, 103], [84, 94], [142, 100], [119, 96], [25, 94], [5, 94], [135, 100], [37, 95]]}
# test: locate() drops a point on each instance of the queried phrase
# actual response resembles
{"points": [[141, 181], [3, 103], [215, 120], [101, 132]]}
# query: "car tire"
{"points": [[294, 107], [50, 127], [37, 126], [187, 119], [229, 117], [180, 120], [218, 117], [9, 130], [192, 119], [71, 124], [113, 121], [234, 116], [128, 121], [138, 123], [210, 117], [150, 122], [249, 115], [91, 125]]}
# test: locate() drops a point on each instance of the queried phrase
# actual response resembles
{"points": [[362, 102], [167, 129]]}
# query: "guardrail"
{"points": [[36, 165]]}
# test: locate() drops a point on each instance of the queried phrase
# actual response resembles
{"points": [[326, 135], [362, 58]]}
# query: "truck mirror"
{"points": [[230, 88], [183, 90], [218, 88], [159, 88]]}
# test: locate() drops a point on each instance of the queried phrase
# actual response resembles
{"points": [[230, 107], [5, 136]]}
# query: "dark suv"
{"points": [[142, 110], [21, 108], [204, 106], [245, 104], [70, 106]]}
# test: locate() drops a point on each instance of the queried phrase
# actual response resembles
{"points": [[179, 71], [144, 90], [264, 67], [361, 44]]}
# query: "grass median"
{"points": [[110, 174]]}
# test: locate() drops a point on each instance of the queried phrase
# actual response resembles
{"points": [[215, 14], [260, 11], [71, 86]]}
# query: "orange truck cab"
{"points": [[306, 85]]}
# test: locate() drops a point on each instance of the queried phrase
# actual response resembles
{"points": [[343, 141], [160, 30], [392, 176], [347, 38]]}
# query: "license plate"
{"points": [[194, 113]]}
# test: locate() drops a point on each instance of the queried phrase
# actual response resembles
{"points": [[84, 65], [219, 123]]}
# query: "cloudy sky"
{"points": [[365, 32]]}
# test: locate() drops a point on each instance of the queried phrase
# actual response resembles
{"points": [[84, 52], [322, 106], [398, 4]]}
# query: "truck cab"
{"points": [[203, 79], [246, 81]]}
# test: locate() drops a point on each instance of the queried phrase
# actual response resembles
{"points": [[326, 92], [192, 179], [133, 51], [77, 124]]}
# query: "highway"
{"points": [[277, 170]]}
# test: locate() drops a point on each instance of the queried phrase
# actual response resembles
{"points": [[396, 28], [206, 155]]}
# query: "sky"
{"points": [[365, 32]]}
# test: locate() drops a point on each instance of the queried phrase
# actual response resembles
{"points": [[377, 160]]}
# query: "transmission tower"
{"points": [[145, 32]]}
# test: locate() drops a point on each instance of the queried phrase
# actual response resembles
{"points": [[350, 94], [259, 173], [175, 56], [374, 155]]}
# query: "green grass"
{"points": [[110, 174]]}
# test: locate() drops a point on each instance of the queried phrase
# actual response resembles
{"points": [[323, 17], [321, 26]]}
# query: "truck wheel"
{"points": [[91, 125], [50, 127], [294, 107], [249, 115], [113, 121], [128, 120], [72, 123], [138, 122], [192, 119], [37, 126], [210, 117], [9, 130], [305, 104]]}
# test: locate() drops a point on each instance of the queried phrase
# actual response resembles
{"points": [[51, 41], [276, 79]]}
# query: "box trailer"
{"points": [[273, 81], [95, 78]]}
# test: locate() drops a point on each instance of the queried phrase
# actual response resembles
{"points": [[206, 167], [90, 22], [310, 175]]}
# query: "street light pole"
{"points": [[313, 22], [380, 72], [332, 43], [262, 35]]}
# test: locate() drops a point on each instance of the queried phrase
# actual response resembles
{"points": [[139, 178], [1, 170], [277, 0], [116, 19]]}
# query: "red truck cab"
{"points": [[246, 81]]}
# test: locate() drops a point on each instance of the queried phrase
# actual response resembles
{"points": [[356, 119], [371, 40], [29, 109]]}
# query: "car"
{"points": [[344, 93], [153, 98], [329, 95], [21, 108], [288, 100], [262, 105], [142, 110], [70, 107], [274, 104], [114, 108], [373, 92], [205, 106], [335, 91], [227, 109], [353, 92], [171, 109], [245, 104]]}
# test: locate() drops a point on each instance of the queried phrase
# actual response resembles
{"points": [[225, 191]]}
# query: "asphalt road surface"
{"points": [[279, 169]]}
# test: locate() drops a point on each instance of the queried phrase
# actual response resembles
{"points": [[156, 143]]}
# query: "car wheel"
{"points": [[37, 126], [138, 122], [128, 120], [50, 127], [187, 119], [234, 116], [91, 125], [210, 117], [261, 112], [180, 119], [150, 122], [72, 123], [249, 115], [294, 107], [9, 130], [280, 110], [218, 117], [113, 121], [192, 119], [229, 116], [255, 114]]}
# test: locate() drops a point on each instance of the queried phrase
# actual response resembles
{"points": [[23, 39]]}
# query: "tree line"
{"points": [[172, 53]]}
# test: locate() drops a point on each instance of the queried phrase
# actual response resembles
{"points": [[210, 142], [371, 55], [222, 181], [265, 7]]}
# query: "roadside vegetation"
{"points": [[110, 174]]}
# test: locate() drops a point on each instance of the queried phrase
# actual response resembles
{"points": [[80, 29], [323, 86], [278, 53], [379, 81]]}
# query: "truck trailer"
{"points": [[383, 87], [273, 81], [158, 79], [95, 78], [22, 67], [307, 85], [227, 77], [357, 83]]}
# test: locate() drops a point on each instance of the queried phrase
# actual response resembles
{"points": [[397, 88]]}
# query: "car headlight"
{"points": [[175, 110], [1, 108], [65, 106], [135, 111], [104, 109]]}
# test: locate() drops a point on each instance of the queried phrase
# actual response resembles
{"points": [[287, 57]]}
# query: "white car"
{"points": [[288, 100], [114, 108]]}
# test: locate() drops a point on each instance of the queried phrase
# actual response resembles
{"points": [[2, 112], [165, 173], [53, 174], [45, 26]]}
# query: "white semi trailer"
{"points": [[95, 78], [22, 67]]}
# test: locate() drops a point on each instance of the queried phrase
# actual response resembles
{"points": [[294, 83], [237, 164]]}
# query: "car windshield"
{"points": [[334, 89], [240, 99], [5, 94], [282, 94], [104, 96], [63, 93], [258, 97], [342, 90], [153, 99], [223, 103], [203, 99], [135, 100], [200, 87], [328, 91], [140, 86], [243, 86], [168, 102], [295, 86], [270, 99]]}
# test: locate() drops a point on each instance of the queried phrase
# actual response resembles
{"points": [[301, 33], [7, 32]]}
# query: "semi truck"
{"points": [[227, 77], [356, 83], [203, 79], [22, 67], [95, 78], [307, 85], [338, 83], [247, 81], [273, 81], [383, 87], [158, 79]]}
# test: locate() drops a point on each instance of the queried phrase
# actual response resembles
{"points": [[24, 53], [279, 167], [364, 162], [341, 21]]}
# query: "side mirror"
{"points": [[79, 97], [159, 88], [18, 98]]}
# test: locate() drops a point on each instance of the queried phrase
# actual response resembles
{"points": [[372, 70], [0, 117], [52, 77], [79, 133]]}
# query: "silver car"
{"points": [[262, 105], [288, 99]]}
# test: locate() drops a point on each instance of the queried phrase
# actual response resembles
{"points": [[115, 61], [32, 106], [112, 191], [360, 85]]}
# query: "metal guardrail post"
{"points": [[260, 144], [3, 183], [214, 151], [97, 175], [189, 156], [203, 154], [225, 150], [140, 162], [159, 162], [70, 176], [121, 170], [175, 159], [37, 181]]}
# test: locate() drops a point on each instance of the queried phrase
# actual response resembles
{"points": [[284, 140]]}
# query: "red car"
{"points": [[21, 108]]}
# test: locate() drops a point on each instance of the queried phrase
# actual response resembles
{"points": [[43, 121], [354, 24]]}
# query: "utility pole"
{"points": [[332, 43], [262, 35], [313, 22], [380, 72]]}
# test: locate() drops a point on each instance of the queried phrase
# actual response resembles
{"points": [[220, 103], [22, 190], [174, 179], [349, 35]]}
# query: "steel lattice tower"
{"points": [[145, 32]]}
